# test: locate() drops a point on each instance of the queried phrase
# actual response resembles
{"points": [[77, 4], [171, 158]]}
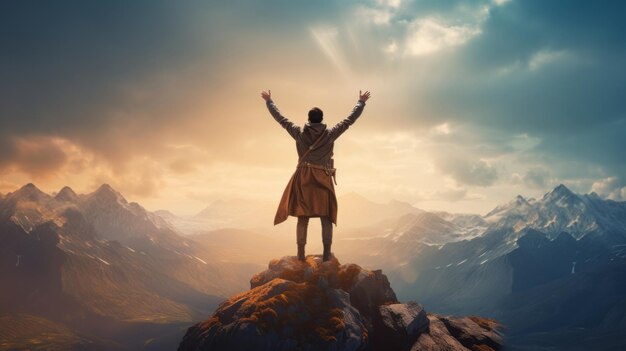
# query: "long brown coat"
{"points": [[310, 191]]}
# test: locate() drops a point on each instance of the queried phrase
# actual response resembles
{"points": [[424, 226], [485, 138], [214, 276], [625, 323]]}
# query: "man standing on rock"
{"points": [[310, 191]]}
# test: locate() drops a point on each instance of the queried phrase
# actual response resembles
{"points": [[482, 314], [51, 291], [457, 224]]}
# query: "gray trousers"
{"points": [[327, 230]]}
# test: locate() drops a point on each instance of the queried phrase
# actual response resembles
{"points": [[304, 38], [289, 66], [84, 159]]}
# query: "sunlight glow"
{"points": [[429, 35]]}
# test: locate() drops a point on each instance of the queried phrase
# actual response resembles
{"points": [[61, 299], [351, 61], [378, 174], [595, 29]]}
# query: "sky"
{"points": [[473, 102]]}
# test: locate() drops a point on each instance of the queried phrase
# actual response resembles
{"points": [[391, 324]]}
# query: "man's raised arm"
{"points": [[291, 128], [342, 126]]}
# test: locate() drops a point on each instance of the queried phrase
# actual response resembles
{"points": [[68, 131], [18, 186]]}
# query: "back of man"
{"points": [[310, 191]]}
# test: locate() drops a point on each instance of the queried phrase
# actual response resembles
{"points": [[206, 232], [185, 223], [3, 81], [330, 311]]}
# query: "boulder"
{"points": [[474, 332], [437, 339], [368, 290], [316, 305], [399, 325], [460, 334]]}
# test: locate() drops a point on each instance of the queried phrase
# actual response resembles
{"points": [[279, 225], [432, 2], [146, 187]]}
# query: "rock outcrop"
{"points": [[315, 305]]}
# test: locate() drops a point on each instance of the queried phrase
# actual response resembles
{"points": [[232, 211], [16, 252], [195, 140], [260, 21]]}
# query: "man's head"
{"points": [[316, 115]]}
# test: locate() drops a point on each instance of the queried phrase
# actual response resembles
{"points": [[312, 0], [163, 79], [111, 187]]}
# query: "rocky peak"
{"points": [[29, 192], [561, 192], [66, 194], [107, 194], [516, 204], [520, 200], [315, 305], [594, 195]]}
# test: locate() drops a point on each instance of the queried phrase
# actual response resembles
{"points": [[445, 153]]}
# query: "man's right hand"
{"points": [[266, 95], [364, 96]]}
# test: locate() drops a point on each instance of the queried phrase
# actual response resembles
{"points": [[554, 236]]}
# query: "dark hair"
{"points": [[316, 115]]}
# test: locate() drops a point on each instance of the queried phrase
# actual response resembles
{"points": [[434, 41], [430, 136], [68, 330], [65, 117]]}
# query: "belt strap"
{"points": [[312, 165], [315, 145], [312, 147]]}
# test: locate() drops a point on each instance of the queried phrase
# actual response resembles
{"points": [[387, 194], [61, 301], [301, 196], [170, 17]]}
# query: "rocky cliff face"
{"points": [[315, 305]]}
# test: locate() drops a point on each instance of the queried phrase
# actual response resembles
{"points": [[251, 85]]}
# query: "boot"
{"points": [[301, 252], [326, 256]]}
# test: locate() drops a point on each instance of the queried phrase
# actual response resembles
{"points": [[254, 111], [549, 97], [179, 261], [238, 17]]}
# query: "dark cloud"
{"points": [[119, 78], [98, 73], [38, 157], [552, 70]]}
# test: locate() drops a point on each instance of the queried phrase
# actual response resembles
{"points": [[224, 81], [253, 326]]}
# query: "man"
{"points": [[310, 191]]}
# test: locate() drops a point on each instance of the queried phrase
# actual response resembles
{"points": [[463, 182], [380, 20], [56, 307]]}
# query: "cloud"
{"points": [[456, 194], [537, 177], [375, 15], [467, 171], [611, 187], [39, 157], [560, 86], [500, 2], [441, 129], [430, 35], [390, 3], [544, 57], [182, 166]]}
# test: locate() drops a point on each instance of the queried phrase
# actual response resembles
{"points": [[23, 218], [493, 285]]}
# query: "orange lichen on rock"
{"points": [[347, 275], [482, 348], [312, 270], [302, 307], [486, 323], [214, 320]]}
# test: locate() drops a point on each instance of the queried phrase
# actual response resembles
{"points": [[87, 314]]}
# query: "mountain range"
{"points": [[101, 271], [100, 266], [552, 269]]}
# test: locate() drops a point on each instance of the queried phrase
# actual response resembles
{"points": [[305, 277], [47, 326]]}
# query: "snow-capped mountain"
{"points": [[463, 220], [436, 228], [561, 210], [114, 218], [551, 268], [425, 227], [112, 257], [477, 240]]}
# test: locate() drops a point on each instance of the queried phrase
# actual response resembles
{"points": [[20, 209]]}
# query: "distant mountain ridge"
{"points": [[93, 260], [561, 210], [552, 269], [356, 211], [557, 211]]}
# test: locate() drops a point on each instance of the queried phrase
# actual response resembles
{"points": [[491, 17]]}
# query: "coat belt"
{"points": [[313, 165], [329, 171]]}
